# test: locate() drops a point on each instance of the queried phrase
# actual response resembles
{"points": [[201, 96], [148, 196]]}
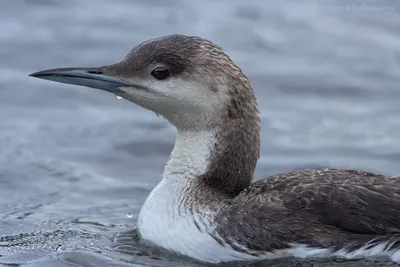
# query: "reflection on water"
{"points": [[75, 162]]}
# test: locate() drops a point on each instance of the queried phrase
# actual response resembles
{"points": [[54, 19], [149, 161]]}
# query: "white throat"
{"points": [[171, 215], [190, 157]]}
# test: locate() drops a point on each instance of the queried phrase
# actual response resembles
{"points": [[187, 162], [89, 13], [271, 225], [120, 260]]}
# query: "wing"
{"points": [[319, 207], [357, 202]]}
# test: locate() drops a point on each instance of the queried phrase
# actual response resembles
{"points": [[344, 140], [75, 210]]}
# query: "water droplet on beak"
{"points": [[118, 97]]}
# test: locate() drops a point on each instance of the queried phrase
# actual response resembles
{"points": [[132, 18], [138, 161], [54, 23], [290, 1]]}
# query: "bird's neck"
{"points": [[222, 158], [206, 167], [191, 155]]}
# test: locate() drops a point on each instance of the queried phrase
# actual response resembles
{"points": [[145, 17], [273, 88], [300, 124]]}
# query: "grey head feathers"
{"points": [[196, 61]]}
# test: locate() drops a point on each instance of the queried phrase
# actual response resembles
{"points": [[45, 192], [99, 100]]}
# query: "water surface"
{"points": [[74, 161]]}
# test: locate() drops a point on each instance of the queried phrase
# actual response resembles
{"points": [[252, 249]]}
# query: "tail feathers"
{"points": [[376, 247]]}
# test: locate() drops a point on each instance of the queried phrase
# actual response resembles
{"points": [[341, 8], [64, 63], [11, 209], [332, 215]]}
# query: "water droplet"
{"points": [[159, 115], [129, 215], [119, 97]]}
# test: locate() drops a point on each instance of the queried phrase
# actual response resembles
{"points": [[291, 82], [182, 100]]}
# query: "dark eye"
{"points": [[160, 73]]}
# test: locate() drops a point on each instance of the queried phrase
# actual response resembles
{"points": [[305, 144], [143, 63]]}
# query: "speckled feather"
{"points": [[320, 207]]}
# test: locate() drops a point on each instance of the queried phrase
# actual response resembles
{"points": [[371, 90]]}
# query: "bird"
{"points": [[206, 205]]}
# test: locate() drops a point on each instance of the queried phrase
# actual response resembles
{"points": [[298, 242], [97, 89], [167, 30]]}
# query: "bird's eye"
{"points": [[160, 73]]}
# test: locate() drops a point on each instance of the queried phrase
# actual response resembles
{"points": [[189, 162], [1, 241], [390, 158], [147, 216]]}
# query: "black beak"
{"points": [[90, 77]]}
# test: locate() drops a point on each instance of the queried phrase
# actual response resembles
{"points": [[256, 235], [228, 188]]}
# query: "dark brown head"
{"points": [[188, 80]]}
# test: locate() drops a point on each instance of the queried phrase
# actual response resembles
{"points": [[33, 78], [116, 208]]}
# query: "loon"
{"points": [[206, 206]]}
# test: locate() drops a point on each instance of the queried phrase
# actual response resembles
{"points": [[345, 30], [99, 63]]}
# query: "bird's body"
{"points": [[206, 206], [315, 213]]}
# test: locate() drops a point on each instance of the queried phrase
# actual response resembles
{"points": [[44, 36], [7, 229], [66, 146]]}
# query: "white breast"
{"points": [[164, 222]]}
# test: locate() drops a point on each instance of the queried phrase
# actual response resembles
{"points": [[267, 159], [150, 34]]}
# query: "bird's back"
{"points": [[338, 210]]}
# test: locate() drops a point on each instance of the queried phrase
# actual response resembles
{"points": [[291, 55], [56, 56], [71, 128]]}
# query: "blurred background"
{"points": [[326, 75]]}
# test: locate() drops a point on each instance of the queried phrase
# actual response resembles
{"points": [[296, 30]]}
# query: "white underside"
{"points": [[163, 222], [166, 222]]}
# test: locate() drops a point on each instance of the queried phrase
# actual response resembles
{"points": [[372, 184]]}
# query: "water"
{"points": [[75, 161]]}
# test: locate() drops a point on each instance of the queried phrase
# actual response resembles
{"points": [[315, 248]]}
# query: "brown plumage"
{"points": [[319, 207], [331, 209]]}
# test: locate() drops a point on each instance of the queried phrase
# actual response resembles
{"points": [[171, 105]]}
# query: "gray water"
{"points": [[76, 164]]}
